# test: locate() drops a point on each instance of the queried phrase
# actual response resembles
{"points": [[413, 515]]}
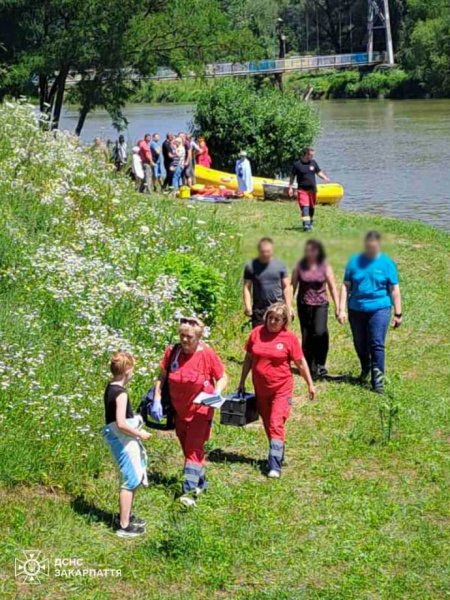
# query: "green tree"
{"points": [[426, 44], [103, 48], [270, 125]]}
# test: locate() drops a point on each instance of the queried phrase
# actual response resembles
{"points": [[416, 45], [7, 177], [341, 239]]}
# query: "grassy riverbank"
{"points": [[352, 517]]}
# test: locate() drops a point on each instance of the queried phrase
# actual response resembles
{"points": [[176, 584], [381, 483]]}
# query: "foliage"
{"points": [[86, 268], [426, 49], [388, 83], [108, 46], [178, 91], [203, 284], [271, 126]]}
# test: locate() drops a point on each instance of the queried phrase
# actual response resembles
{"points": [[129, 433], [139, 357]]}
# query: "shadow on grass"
{"points": [[345, 378], [91, 512], [221, 456], [158, 478]]}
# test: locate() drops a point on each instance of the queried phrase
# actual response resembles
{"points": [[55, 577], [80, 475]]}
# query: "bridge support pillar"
{"points": [[379, 18]]}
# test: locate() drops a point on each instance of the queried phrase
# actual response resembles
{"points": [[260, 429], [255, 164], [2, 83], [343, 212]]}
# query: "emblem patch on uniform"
{"points": [[280, 346], [311, 168]]}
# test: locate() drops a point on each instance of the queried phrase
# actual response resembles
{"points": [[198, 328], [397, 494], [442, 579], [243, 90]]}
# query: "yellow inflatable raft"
{"points": [[270, 189]]}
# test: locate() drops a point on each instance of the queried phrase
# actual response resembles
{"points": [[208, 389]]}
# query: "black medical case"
{"points": [[239, 410]]}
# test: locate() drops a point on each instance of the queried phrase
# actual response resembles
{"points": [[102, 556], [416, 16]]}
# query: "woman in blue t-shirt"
{"points": [[371, 287]]}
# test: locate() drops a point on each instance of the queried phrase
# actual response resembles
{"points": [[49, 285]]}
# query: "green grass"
{"points": [[352, 517]]}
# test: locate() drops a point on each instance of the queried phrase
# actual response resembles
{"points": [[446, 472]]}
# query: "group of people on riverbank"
{"points": [[168, 165], [157, 166], [190, 367]]}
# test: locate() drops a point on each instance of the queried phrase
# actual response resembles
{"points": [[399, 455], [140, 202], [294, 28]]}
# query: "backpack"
{"points": [[167, 423]]}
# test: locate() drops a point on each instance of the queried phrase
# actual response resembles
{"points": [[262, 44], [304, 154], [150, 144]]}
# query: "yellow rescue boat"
{"points": [[265, 188]]}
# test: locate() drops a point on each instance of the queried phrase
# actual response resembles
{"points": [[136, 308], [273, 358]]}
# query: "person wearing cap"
{"points": [[244, 174], [191, 367], [270, 350]]}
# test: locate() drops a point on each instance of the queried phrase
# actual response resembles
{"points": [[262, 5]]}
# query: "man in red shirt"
{"points": [[147, 163], [271, 348]]}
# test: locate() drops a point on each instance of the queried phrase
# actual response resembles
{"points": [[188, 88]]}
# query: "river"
{"points": [[392, 157]]}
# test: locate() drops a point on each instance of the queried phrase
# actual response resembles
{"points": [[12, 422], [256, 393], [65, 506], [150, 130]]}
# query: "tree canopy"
{"points": [[272, 126], [104, 48]]}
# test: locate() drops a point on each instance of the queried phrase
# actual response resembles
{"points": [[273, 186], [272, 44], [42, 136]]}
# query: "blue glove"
{"points": [[156, 410]]}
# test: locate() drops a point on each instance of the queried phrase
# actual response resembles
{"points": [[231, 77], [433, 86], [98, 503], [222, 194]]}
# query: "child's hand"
{"points": [[144, 435]]}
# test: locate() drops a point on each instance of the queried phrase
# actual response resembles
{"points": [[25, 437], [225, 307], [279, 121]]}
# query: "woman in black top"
{"points": [[123, 434]]}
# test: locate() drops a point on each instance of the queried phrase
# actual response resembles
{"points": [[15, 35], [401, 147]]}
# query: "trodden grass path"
{"points": [[352, 517]]}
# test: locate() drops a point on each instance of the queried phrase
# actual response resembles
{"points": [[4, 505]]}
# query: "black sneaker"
{"points": [[321, 372], [378, 389], [131, 531], [137, 520], [133, 519], [364, 377]]}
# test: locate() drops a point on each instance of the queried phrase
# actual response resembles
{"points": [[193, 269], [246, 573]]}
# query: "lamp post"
{"points": [[281, 50], [281, 38]]}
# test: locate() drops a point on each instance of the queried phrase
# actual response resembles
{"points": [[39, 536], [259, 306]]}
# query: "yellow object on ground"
{"points": [[327, 193], [185, 191]]}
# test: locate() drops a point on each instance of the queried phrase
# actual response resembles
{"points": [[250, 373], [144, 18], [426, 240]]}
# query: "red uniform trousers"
{"points": [[193, 434], [307, 202], [274, 409]]}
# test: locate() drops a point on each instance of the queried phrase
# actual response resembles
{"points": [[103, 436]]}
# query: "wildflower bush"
{"points": [[87, 266]]}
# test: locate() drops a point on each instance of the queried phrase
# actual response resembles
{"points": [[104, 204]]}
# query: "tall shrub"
{"points": [[270, 125]]}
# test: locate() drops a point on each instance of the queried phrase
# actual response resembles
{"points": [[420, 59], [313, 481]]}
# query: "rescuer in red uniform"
{"points": [[192, 367], [271, 348]]}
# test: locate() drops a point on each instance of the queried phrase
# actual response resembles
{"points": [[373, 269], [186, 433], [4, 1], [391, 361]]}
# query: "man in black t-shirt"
{"points": [[266, 281], [305, 170]]}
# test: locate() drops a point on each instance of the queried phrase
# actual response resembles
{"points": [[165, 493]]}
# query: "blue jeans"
{"points": [[369, 331], [176, 182]]}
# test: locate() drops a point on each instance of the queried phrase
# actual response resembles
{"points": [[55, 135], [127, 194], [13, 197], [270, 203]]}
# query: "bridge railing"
{"points": [[294, 63]]}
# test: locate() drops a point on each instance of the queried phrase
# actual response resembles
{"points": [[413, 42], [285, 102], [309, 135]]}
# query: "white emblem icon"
{"points": [[32, 567], [280, 346]]}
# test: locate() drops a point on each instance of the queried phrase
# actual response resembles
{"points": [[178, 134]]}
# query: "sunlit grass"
{"points": [[352, 516]]}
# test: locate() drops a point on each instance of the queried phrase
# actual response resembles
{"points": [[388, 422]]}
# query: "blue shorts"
{"points": [[129, 454]]}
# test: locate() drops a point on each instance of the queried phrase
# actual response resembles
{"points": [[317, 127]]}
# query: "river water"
{"points": [[392, 157]]}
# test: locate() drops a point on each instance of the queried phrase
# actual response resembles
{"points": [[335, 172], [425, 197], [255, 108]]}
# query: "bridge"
{"points": [[281, 65]]}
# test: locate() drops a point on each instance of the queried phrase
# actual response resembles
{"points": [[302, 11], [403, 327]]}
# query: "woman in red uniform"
{"points": [[271, 348], [203, 156], [192, 367]]}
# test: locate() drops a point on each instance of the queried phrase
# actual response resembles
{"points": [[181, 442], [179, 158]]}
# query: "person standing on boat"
{"points": [[266, 281], [305, 170], [244, 174]]}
